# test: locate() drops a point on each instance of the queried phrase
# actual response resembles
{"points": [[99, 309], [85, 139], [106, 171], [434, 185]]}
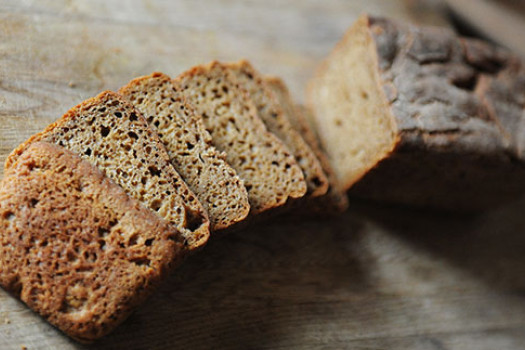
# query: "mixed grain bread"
{"points": [[335, 199], [417, 115], [269, 171], [74, 246], [109, 132], [277, 122], [203, 168]]}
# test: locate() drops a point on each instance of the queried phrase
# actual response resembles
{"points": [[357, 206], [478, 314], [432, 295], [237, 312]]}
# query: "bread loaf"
{"points": [[74, 247], [189, 147], [110, 133], [335, 199], [270, 173], [417, 115], [277, 121]]}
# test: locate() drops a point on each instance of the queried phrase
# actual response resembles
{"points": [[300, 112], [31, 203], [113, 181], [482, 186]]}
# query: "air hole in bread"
{"points": [[104, 131], [141, 261], [193, 220], [153, 170], [9, 216], [156, 204]]}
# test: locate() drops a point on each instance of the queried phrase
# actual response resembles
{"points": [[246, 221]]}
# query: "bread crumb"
{"points": [[23, 347], [72, 84], [7, 321]]}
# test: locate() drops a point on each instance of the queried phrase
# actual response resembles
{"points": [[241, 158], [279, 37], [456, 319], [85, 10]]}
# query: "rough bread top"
{"points": [[189, 146], [109, 132], [74, 247], [269, 171], [440, 87], [277, 121]]}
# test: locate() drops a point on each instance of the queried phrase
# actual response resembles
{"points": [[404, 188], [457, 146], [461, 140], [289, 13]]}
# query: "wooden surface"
{"points": [[373, 278]]}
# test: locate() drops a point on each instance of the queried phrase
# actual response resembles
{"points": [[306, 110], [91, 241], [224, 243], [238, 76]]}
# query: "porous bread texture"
{"points": [[109, 132], [414, 108], [335, 199], [74, 247], [270, 173], [277, 122], [189, 146]]}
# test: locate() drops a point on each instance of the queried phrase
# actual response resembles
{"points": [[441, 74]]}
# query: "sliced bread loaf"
{"points": [[405, 116], [277, 121], [270, 173], [74, 247], [109, 132], [203, 168], [335, 199]]}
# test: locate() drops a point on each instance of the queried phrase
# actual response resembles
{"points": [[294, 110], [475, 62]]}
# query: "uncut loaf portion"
{"points": [[277, 122], [109, 132], [74, 246], [203, 168], [335, 199], [269, 171], [420, 116]]}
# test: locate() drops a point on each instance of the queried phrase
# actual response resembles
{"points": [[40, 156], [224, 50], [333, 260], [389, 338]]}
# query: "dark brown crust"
{"points": [[189, 145], [181, 206], [459, 108], [74, 247]]}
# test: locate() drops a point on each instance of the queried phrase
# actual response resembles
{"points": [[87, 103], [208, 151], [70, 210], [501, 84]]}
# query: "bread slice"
{"points": [[403, 114], [335, 199], [189, 147], [110, 133], [270, 173], [74, 247], [277, 121]]}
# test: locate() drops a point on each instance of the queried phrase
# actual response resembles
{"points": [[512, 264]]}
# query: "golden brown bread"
{"points": [[335, 199], [277, 121], [203, 168], [109, 132], [74, 247], [270, 173]]}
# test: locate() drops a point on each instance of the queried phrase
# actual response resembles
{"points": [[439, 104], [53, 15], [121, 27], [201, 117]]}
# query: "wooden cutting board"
{"points": [[373, 278]]}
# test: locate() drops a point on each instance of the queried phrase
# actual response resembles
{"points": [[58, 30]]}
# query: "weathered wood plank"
{"points": [[375, 278]]}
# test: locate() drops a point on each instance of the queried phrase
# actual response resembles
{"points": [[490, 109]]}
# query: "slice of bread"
{"points": [[109, 132], [335, 199], [406, 116], [270, 173], [277, 121], [74, 247], [202, 167]]}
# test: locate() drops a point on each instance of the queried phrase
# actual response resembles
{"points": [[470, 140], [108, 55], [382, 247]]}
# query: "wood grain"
{"points": [[373, 278]]}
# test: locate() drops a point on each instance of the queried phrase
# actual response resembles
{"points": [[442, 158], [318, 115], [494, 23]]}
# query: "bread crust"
{"points": [[335, 200], [132, 156], [74, 246], [189, 146], [268, 169], [277, 121], [456, 113]]}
